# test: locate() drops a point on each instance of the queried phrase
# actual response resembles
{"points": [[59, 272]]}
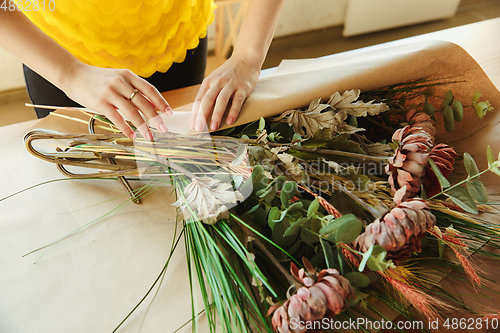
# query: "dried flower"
{"points": [[407, 166], [399, 231], [444, 156], [321, 295], [209, 198]]}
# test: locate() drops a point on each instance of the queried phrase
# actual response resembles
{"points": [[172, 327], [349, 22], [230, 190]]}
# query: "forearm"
{"points": [[20, 37], [257, 30]]}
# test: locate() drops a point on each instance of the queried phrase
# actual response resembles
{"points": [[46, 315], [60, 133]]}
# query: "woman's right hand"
{"points": [[106, 89]]}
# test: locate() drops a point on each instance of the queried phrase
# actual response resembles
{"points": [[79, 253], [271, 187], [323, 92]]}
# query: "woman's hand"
{"points": [[228, 85], [105, 90], [231, 83]]}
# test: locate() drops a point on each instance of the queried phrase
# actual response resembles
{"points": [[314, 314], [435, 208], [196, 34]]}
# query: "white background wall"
{"points": [[304, 15]]}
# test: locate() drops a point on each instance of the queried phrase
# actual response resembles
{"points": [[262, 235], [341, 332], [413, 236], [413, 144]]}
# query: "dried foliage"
{"points": [[349, 103], [332, 115], [444, 156], [414, 143], [399, 231], [319, 295], [207, 199]]}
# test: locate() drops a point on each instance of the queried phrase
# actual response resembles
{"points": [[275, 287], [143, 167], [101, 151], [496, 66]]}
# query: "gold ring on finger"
{"points": [[133, 95]]}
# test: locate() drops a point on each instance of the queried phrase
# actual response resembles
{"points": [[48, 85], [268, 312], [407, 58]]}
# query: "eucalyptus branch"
{"points": [[460, 183]]}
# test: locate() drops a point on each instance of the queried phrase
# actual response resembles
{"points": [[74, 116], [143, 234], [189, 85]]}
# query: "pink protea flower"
{"points": [[320, 295], [444, 156], [407, 166], [400, 230]]}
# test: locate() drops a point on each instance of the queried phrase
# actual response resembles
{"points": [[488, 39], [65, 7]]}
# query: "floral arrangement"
{"points": [[354, 190]]}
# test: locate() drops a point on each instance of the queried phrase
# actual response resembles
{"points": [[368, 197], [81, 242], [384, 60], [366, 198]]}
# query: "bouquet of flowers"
{"points": [[309, 219]]}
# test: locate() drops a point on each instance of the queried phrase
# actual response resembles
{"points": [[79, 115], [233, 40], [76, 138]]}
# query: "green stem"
{"points": [[458, 184]]}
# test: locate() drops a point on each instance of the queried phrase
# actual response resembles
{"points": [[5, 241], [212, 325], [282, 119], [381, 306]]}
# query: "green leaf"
{"points": [[481, 109], [353, 121], [276, 216], [470, 166], [364, 261], [361, 181], [448, 98], [313, 208], [477, 191], [475, 97], [358, 279], [250, 129], [376, 259], [318, 139], [495, 170], [296, 206], [341, 142], [327, 250], [279, 237], [345, 229], [260, 181], [348, 231], [462, 198], [269, 192], [308, 237], [288, 191], [272, 218], [262, 124], [295, 246], [295, 227], [251, 210], [458, 110], [490, 156], [429, 109], [332, 225], [443, 182], [449, 120], [441, 247]]}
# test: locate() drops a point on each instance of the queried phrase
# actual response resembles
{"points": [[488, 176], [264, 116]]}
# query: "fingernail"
{"points": [[132, 136], [168, 110], [199, 126], [214, 125], [229, 120], [149, 136], [191, 125], [163, 128]]}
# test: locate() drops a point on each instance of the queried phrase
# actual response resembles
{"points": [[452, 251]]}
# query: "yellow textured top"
{"points": [[143, 36]]}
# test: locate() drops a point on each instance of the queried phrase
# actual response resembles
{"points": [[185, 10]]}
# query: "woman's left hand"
{"points": [[228, 85]]}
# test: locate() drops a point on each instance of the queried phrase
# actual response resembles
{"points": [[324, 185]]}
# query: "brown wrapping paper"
{"points": [[91, 283]]}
